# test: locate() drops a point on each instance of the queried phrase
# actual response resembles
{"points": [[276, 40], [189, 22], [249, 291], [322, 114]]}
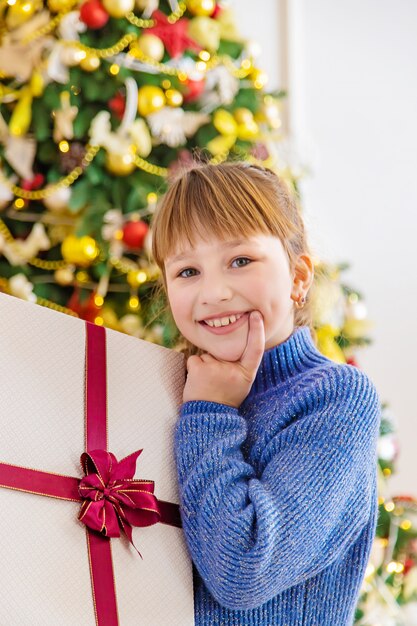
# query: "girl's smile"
{"points": [[219, 325], [213, 287]]}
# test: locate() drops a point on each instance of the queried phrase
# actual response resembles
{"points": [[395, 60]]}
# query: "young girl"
{"points": [[275, 443]]}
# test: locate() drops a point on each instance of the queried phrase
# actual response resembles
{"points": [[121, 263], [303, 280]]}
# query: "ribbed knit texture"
{"points": [[278, 498]]}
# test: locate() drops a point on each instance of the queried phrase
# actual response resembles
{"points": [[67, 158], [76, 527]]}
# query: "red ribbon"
{"points": [[111, 498]]}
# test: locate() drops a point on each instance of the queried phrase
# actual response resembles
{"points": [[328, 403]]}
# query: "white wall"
{"points": [[351, 69]]}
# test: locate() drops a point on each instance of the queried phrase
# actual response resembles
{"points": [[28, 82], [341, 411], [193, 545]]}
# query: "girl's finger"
{"points": [[255, 345]]}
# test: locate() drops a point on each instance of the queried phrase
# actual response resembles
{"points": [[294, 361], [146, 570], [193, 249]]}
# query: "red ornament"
{"points": [[35, 183], [194, 89], [134, 234], [93, 14], [174, 36], [117, 105], [87, 310]]}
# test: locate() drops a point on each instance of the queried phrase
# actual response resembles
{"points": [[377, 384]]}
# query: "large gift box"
{"points": [[90, 531]]}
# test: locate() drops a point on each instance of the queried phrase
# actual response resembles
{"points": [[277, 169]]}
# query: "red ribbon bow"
{"points": [[113, 499]]}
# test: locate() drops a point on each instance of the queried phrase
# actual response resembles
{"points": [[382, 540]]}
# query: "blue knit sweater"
{"points": [[278, 498]]}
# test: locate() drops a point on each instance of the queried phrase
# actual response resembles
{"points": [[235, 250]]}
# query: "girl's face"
{"points": [[219, 278]]}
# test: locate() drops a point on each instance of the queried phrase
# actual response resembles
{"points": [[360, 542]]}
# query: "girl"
{"points": [[275, 444]]}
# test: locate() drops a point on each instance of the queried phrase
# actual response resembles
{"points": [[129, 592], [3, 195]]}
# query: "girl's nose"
{"points": [[214, 289]]}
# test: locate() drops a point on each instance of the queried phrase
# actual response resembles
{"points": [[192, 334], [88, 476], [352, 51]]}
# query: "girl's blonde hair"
{"points": [[228, 200]]}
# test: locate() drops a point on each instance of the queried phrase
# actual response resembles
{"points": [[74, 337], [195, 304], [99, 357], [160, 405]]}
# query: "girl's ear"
{"points": [[303, 274]]}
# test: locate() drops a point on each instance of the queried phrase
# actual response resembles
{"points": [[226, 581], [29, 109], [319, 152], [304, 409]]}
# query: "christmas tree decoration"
{"points": [[93, 14], [90, 62], [151, 46], [201, 7], [72, 158], [193, 90], [206, 32], [81, 251], [117, 105], [20, 12], [174, 98], [120, 163], [21, 287], [173, 126], [134, 233], [64, 118], [150, 99], [64, 276], [173, 34], [22, 113], [58, 200], [118, 8]]}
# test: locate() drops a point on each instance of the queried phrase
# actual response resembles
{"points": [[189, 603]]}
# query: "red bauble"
{"points": [[93, 14], [194, 89], [134, 234], [87, 310], [117, 105]]}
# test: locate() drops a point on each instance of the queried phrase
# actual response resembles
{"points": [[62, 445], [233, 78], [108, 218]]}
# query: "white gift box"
{"points": [[44, 564]]}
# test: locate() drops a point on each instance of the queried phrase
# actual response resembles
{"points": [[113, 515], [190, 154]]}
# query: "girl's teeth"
{"points": [[224, 321]]}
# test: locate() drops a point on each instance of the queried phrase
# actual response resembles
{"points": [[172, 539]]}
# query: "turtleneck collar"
{"points": [[296, 354]]}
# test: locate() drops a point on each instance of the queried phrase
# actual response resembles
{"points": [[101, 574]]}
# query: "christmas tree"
{"points": [[100, 102]]}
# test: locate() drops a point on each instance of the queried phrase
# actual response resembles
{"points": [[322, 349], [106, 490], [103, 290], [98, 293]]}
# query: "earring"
{"points": [[300, 302]]}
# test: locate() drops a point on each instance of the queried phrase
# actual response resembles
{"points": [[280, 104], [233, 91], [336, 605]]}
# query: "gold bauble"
{"points": [[201, 7], [79, 250], [150, 99], [205, 31], [151, 46], [118, 8], [174, 97], [243, 115], [64, 276], [20, 11], [90, 63], [120, 164]]}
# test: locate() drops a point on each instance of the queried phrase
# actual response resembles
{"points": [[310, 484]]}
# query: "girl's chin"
{"points": [[226, 353]]}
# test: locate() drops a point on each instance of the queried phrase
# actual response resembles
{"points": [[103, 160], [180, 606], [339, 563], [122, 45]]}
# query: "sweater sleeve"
{"points": [[254, 533]]}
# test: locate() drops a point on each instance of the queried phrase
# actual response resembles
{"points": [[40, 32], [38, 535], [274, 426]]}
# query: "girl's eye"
{"points": [[188, 269], [242, 258]]}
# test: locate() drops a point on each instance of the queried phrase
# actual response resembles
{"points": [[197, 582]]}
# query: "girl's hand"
{"points": [[226, 382]]}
